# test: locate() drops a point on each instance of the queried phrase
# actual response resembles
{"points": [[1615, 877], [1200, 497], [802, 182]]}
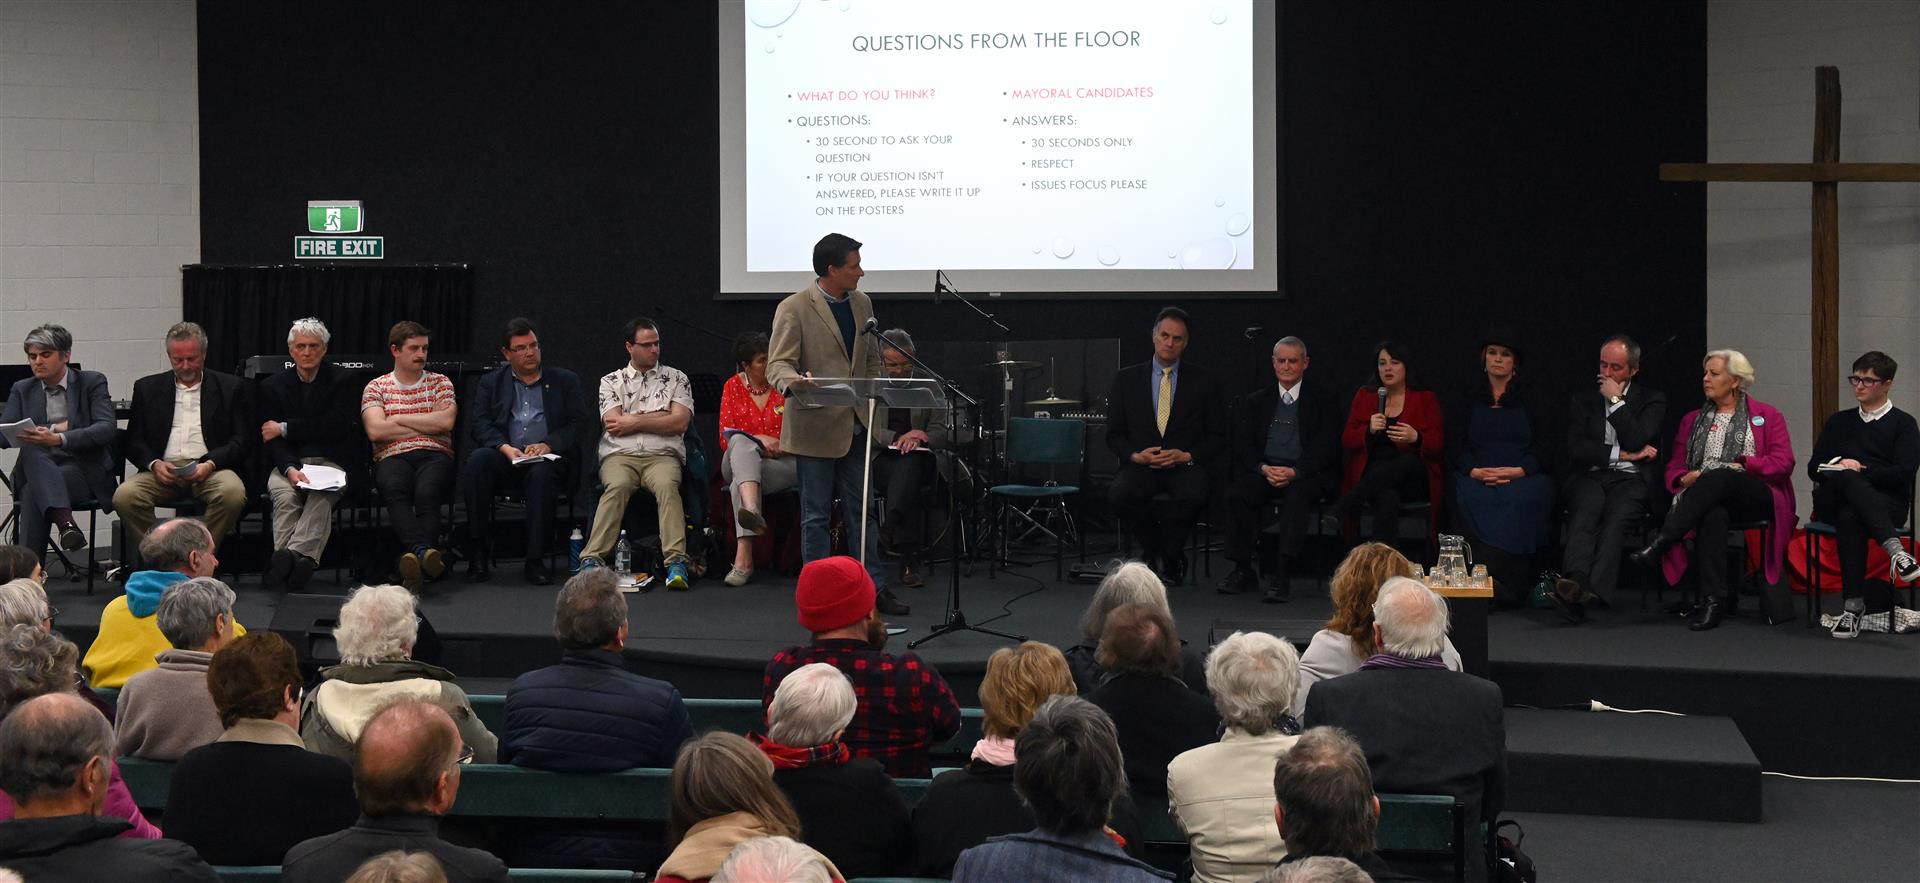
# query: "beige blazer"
{"points": [[806, 340], [1221, 797]]}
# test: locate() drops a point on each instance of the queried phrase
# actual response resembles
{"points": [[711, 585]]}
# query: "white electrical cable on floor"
{"points": [[1597, 705], [1839, 778]]}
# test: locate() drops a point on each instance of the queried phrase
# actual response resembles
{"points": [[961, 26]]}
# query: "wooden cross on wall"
{"points": [[1825, 174]]}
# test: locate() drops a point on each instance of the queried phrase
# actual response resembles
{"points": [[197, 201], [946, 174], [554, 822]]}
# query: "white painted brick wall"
{"points": [[1760, 60], [99, 176]]}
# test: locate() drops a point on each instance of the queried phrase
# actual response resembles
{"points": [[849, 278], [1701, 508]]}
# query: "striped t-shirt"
{"points": [[431, 393]]}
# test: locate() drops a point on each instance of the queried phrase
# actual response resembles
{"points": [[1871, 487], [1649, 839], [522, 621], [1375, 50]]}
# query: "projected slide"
{"points": [[1019, 135]]}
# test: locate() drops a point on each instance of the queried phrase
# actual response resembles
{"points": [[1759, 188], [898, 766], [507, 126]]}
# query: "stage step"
{"points": [[1642, 765]]}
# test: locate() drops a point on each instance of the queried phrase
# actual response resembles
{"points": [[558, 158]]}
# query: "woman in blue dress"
{"points": [[1502, 493]]}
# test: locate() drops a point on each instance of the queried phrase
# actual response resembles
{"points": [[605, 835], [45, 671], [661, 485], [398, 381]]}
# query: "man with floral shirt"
{"points": [[645, 408]]}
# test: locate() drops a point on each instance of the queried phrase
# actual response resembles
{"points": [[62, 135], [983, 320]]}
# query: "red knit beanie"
{"points": [[833, 593]]}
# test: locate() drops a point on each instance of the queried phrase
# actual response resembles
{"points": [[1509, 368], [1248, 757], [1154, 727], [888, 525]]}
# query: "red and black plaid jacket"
{"points": [[904, 705]]}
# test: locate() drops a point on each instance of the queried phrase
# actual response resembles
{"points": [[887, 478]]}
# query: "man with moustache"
{"points": [[1289, 454], [308, 416], [904, 705], [409, 416]]}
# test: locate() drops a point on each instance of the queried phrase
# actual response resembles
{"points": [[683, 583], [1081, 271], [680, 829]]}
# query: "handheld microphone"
{"points": [[1382, 392]]}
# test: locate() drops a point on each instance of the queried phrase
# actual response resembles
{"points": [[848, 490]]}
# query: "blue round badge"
{"points": [[1759, 421]]}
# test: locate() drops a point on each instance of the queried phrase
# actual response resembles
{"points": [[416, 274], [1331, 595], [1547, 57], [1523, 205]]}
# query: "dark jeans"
{"points": [[1160, 532], [1384, 486], [1718, 498], [1858, 511], [1250, 495], [821, 478], [1600, 505], [903, 478], [487, 472], [414, 484]]}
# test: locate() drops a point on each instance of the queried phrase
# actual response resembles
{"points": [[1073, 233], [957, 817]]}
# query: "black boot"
{"points": [[1709, 614], [1649, 555]]}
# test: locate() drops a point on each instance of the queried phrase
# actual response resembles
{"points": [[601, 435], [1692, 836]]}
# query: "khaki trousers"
{"points": [[622, 474], [223, 492]]}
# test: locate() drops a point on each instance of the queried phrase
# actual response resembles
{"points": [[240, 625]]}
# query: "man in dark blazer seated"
{"points": [[1288, 453], [68, 454], [1426, 730], [1167, 424], [1611, 434], [527, 410], [191, 429]]}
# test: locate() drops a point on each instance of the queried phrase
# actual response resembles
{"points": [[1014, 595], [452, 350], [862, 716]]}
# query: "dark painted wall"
{"points": [[1446, 165]]}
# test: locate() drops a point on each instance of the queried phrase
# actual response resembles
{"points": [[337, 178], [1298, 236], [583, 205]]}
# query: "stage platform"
{"points": [[1805, 703]]}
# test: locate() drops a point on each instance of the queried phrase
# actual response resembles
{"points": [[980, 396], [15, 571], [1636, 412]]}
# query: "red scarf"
{"points": [[788, 757]]}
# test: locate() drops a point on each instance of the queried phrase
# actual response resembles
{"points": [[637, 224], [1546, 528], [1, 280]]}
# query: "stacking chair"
{"points": [[1052, 443]]}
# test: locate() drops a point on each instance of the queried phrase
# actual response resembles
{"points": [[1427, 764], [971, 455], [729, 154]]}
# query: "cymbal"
{"points": [[1054, 400]]}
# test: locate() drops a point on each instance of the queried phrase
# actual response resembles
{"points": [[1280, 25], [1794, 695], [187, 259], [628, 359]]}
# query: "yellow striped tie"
{"points": [[1163, 408]]}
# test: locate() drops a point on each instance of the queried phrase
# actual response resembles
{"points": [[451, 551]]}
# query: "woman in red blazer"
{"points": [[1391, 449]]}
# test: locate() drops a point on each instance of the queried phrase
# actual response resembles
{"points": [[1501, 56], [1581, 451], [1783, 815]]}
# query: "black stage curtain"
{"points": [[246, 310]]}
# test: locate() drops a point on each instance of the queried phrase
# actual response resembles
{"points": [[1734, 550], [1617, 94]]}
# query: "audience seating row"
{"points": [[1424, 824]]}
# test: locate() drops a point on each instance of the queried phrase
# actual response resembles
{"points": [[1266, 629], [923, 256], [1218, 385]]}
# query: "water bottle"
{"points": [[622, 558], [576, 545]]}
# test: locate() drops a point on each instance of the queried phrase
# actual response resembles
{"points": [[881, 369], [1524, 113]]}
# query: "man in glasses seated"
{"points": [[1862, 468]]}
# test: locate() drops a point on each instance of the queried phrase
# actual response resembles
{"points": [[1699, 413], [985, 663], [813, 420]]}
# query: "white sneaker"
{"points": [[1906, 566], [738, 577], [1847, 626]]}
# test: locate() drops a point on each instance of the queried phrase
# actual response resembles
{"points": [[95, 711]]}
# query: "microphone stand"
{"points": [[956, 619]]}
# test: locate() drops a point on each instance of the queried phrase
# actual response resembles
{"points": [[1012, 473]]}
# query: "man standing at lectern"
{"points": [[1166, 423], [817, 333]]}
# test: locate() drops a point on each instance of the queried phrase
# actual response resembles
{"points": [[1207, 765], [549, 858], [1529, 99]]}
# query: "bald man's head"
{"points": [[402, 757], [183, 545], [57, 748]]}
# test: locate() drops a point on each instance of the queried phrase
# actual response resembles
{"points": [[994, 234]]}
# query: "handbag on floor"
{"points": [[1510, 865]]}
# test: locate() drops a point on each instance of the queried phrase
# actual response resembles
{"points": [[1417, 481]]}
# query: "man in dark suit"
{"points": [[1426, 730], [191, 429], [1167, 424], [1288, 453], [1611, 438], [310, 416], [68, 454], [528, 410]]}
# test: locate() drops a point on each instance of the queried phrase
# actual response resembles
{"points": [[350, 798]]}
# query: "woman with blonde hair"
{"points": [[1347, 640], [963, 807], [1732, 461], [720, 795]]}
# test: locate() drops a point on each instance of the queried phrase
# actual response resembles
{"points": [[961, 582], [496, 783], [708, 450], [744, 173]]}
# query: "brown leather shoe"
{"points": [[910, 575]]}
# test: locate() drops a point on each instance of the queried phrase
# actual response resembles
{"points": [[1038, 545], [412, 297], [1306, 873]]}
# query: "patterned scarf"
{"points": [[790, 757], [1731, 446]]}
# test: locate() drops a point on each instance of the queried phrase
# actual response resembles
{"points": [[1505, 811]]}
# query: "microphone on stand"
{"points": [[1253, 331], [939, 287], [873, 327]]}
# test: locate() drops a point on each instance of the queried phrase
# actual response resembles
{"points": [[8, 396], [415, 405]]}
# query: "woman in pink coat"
{"points": [[1732, 461]]}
